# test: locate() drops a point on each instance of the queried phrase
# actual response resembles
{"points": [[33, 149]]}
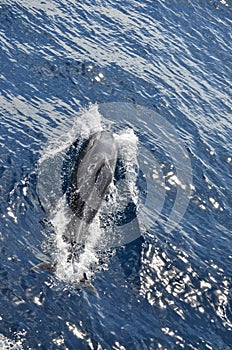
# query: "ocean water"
{"points": [[158, 74]]}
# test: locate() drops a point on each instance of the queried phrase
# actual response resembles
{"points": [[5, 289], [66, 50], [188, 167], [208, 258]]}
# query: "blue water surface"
{"points": [[162, 291]]}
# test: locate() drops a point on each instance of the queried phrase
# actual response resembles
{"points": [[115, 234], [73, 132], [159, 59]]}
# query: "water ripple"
{"points": [[164, 291]]}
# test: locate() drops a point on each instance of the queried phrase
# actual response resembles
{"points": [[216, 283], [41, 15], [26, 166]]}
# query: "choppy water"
{"points": [[162, 70]]}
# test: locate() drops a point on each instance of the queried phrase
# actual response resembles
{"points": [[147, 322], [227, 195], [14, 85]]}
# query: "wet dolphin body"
{"points": [[90, 179], [91, 176]]}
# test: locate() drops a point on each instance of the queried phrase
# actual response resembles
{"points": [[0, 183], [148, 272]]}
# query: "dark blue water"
{"points": [[165, 290]]}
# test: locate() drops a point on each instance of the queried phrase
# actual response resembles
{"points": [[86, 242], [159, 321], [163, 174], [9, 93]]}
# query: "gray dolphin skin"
{"points": [[90, 179], [91, 176]]}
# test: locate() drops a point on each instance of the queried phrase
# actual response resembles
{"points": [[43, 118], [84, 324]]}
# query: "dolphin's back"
{"points": [[92, 174]]}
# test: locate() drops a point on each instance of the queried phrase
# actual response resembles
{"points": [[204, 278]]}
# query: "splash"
{"points": [[8, 344], [102, 233]]}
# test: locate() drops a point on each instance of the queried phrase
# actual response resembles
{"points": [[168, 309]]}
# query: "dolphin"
{"points": [[91, 175]]}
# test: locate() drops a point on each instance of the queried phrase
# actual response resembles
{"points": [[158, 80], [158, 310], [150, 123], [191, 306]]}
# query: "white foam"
{"points": [[8, 344], [87, 122], [60, 221], [89, 257], [128, 149]]}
